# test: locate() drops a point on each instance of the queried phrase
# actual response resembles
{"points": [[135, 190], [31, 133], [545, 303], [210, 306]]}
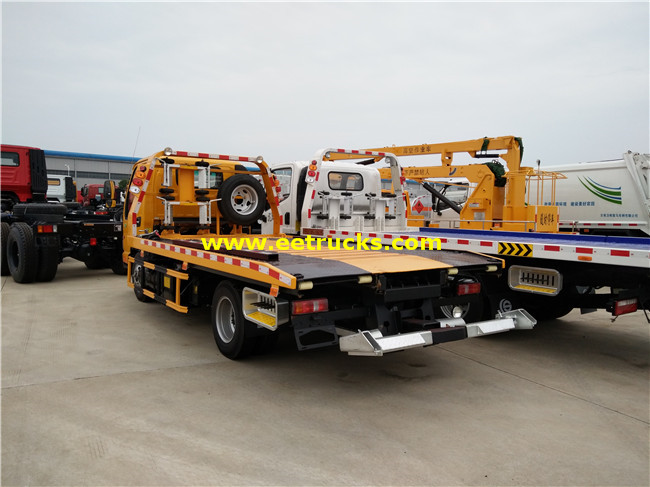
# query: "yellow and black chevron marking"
{"points": [[517, 249]]}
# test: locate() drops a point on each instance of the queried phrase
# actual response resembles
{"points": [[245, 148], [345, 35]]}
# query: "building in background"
{"points": [[89, 168]]}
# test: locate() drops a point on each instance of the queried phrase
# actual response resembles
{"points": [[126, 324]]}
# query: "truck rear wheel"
{"points": [[118, 266], [241, 199], [229, 326], [4, 233], [48, 262], [22, 256], [137, 278], [95, 261]]}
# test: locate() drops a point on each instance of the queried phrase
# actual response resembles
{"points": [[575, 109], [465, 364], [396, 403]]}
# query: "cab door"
{"points": [[287, 208]]}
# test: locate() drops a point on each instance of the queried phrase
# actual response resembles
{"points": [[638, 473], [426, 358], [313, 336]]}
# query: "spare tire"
{"points": [[32, 209], [241, 199], [41, 212]]}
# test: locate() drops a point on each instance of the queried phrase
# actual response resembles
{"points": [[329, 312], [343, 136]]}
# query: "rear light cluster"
{"points": [[625, 306], [306, 306], [311, 172], [139, 176], [468, 288], [46, 228]]}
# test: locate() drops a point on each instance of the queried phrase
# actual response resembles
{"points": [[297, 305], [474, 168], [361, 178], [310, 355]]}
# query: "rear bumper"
{"points": [[373, 343]]}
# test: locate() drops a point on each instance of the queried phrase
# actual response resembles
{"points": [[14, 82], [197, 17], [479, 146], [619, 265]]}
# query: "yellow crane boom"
{"points": [[497, 202]]}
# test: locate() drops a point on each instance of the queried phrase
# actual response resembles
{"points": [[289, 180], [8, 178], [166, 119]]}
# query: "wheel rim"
{"points": [[244, 199], [225, 319], [136, 276], [455, 310]]}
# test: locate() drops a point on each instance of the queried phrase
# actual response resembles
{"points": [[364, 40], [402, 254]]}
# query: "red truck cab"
{"points": [[23, 175]]}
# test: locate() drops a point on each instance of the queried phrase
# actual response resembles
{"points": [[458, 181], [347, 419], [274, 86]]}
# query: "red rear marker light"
{"points": [[93, 241], [143, 168], [46, 228], [468, 288], [625, 306], [305, 306]]}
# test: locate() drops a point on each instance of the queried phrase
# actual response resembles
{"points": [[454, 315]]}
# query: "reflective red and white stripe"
{"points": [[572, 224], [138, 202], [598, 255], [223, 157], [223, 259], [359, 152]]}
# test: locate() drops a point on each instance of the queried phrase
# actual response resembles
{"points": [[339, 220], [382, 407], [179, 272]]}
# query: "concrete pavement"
{"points": [[100, 389]]}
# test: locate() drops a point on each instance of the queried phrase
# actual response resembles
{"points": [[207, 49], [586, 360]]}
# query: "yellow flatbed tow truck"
{"points": [[188, 242]]}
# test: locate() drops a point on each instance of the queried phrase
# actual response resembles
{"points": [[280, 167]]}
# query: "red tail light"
{"points": [[46, 228], [305, 306], [93, 241], [625, 306], [468, 288]]}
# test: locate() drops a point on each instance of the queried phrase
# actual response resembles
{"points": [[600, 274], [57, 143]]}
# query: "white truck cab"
{"points": [[335, 195]]}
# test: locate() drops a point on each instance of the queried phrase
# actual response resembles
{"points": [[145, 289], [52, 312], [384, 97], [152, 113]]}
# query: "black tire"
{"points": [[241, 199], [232, 332], [95, 262], [137, 278], [4, 233], [22, 256], [118, 266], [52, 213], [33, 209], [48, 262]]}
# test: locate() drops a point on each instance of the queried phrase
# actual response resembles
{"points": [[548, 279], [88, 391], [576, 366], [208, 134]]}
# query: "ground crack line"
{"points": [[546, 386], [90, 377]]}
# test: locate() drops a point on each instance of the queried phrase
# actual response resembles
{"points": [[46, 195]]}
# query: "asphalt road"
{"points": [[100, 389]]}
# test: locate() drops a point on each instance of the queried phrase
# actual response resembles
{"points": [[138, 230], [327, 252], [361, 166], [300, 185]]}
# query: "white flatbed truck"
{"points": [[547, 274]]}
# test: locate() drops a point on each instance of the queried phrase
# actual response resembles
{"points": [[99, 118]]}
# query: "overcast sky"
{"points": [[285, 79]]}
